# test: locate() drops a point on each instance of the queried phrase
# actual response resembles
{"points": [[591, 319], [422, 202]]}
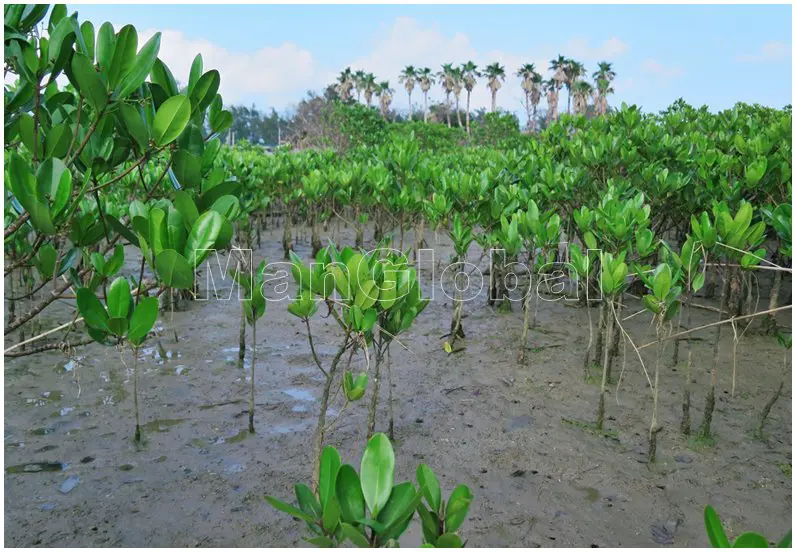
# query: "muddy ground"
{"points": [[517, 435]]}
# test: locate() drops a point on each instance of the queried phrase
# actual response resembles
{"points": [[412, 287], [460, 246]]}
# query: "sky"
{"points": [[271, 55]]}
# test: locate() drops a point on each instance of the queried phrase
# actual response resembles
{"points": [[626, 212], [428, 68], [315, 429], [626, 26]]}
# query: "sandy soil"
{"points": [[517, 435]]}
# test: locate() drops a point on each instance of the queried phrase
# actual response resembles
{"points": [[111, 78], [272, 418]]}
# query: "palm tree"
{"points": [[345, 82], [446, 82], [469, 72], [409, 77], [369, 87], [602, 78], [458, 84], [426, 79], [581, 91], [573, 70], [601, 92], [495, 74], [536, 94], [552, 86], [359, 82], [385, 93], [528, 72]]}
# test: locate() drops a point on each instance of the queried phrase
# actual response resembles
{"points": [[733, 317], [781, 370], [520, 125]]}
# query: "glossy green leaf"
{"points": [[174, 269], [201, 241], [143, 320], [91, 309], [119, 298], [377, 471], [716, 534], [171, 119], [330, 464]]}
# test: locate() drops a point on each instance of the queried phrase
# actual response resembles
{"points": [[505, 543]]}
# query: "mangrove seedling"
{"points": [[368, 509], [718, 538], [120, 321]]}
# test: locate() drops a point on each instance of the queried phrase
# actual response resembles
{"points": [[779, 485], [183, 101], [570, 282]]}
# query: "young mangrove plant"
{"points": [[718, 538], [663, 302], [613, 273], [253, 309], [368, 509], [122, 321]]}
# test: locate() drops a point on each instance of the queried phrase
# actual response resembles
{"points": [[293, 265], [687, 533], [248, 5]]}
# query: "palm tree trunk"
{"points": [[528, 110], [458, 115], [467, 115], [448, 108], [425, 107], [410, 105], [569, 97], [494, 100]]}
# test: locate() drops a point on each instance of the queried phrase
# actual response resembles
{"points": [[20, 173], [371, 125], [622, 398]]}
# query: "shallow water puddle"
{"points": [[37, 467]]}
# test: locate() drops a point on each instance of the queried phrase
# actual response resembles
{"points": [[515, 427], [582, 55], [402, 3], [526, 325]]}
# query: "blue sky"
{"points": [[271, 55]]}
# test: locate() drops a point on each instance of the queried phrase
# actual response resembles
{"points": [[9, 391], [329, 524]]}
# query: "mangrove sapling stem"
{"points": [[654, 429], [614, 351], [251, 383], [685, 422], [242, 339], [710, 398], [769, 322], [374, 398], [320, 429], [391, 431], [767, 408], [609, 325], [586, 358], [526, 305], [135, 396], [598, 352]]}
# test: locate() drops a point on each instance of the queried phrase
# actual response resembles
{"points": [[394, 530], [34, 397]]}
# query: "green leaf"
{"points": [[195, 72], [354, 535], [118, 326], [349, 494], [119, 298], [174, 269], [88, 82], [428, 482], [143, 320], [307, 501], [91, 309], [115, 262], [123, 55], [187, 208], [750, 540], [135, 124], [162, 76], [331, 514], [458, 505], [45, 261], [288, 509], [187, 169], [141, 68], [330, 464], [106, 43], [321, 542], [377, 471], [785, 542], [171, 119], [718, 539], [203, 237], [401, 505], [56, 144], [205, 90], [54, 184], [449, 540]]}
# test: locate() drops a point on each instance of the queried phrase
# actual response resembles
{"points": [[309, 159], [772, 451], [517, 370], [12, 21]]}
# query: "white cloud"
{"points": [[772, 50], [579, 49], [277, 72], [663, 72]]}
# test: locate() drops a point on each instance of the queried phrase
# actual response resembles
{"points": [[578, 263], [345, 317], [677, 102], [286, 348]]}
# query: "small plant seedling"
{"points": [[368, 509]]}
